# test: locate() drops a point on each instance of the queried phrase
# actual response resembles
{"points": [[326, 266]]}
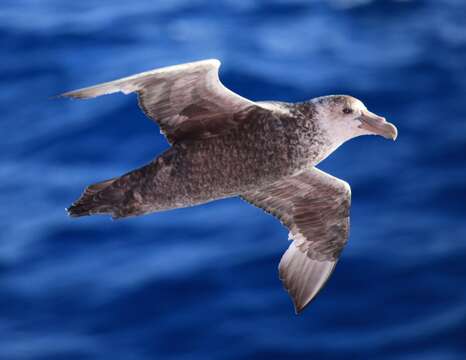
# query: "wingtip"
{"points": [[59, 96], [74, 95], [297, 310], [69, 95]]}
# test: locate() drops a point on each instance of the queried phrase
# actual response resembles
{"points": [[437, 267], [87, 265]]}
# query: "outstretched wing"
{"points": [[314, 206], [188, 101]]}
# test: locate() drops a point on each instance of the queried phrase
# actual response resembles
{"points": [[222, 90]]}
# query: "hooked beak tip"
{"points": [[390, 131], [378, 125]]}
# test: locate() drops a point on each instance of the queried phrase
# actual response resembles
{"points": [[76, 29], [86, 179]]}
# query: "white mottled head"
{"points": [[344, 117]]}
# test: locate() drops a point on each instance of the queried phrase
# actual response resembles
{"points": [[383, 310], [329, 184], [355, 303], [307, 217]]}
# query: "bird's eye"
{"points": [[347, 111]]}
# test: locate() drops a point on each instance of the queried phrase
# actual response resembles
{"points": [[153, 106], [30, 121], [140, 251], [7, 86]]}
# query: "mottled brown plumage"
{"points": [[314, 206], [224, 145]]}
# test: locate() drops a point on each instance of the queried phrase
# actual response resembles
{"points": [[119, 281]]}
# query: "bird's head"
{"points": [[344, 117]]}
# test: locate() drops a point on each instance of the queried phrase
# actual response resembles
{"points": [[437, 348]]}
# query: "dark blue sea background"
{"points": [[202, 283]]}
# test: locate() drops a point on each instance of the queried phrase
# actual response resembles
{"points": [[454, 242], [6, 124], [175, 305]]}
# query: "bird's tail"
{"points": [[96, 199]]}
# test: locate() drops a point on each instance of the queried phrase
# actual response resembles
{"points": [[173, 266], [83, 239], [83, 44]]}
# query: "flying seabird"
{"points": [[223, 145]]}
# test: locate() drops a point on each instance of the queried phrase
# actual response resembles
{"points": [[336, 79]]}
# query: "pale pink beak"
{"points": [[377, 125]]}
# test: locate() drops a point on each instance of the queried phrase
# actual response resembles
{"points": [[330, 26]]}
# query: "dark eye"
{"points": [[347, 111]]}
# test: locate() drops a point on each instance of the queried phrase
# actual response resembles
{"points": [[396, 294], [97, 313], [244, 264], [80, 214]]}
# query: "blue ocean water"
{"points": [[201, 283]]}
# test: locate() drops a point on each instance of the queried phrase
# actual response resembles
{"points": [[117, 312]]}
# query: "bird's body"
{"points": [[224, 146], [255, 154]]}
